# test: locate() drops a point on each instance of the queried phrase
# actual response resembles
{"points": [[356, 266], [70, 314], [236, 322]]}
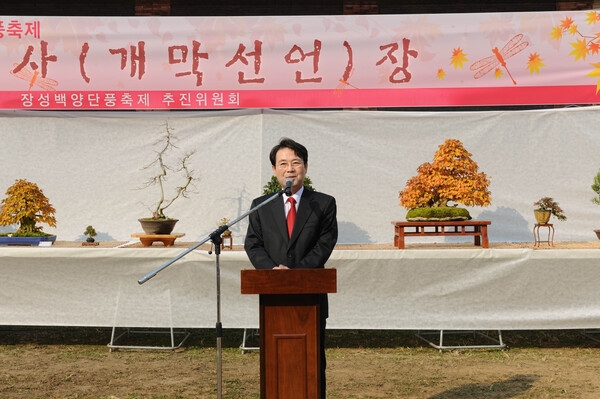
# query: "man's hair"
{"points": [[298, 148]]}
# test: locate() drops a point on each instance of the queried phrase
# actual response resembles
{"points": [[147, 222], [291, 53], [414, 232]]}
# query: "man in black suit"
{"points": [[309, 242]]}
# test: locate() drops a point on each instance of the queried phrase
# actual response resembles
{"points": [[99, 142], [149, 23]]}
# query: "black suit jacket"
{"points": [[313, 238]]}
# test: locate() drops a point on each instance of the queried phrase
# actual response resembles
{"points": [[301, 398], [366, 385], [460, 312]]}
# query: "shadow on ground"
{"points": [[511, 388]]}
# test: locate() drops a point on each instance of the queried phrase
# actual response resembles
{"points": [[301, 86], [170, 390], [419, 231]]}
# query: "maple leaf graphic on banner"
{"points": [[535, 63], [583, 45], [580, 49], [596, 74], [458, 59]]}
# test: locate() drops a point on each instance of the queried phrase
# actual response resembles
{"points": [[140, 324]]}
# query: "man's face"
{"points": [[289, 165]]}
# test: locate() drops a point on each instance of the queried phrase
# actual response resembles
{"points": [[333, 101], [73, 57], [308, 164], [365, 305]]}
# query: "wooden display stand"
{"points": [[536, 234], [475, 228], [289, 329], [148, 239], [226, 238]]}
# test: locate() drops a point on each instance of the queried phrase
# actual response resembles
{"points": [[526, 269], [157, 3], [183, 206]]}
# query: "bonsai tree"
{"points": [[273, 185], [26, 204], [223, 222], [90, 232], [596, 199], [596, 188], [452, 177], [163, 166], [547, 204]]}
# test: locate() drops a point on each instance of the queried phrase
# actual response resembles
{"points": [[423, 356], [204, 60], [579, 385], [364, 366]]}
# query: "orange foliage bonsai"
{"points": [[26, 204], [452, 177]]}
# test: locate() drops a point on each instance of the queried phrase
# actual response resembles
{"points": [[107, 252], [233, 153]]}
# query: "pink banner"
{"points": [[299, 61]]}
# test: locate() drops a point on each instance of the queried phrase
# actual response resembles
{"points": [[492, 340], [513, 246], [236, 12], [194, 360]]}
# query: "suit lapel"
{"points": [[279, 216], [304, 211]]}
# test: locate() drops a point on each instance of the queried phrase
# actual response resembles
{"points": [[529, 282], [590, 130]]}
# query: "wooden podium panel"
{"points": [[289, 332], [292, 281], [289, 329]]}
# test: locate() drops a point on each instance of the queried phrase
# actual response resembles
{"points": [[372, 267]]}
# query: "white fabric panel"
{"points": [[481, 289], [99, 287], [464, 289], [89, 165]]}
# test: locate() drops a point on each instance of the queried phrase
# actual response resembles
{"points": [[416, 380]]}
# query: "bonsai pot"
{"points": [[31, 241], [542, 217], [158, 226]]}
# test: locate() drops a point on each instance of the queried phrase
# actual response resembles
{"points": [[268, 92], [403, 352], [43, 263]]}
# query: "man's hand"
{"points": [[280, 267]]}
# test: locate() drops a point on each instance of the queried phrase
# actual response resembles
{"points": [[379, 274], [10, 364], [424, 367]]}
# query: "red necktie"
{"points": [[291, 217]]}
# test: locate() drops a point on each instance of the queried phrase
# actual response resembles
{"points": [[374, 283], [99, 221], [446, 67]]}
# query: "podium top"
{"points": [[292, 281]]}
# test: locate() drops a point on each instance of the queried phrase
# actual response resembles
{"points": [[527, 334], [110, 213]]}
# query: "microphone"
{"points": [[288, 186]]}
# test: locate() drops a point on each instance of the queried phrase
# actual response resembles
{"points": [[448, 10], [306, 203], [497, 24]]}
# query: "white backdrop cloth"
{"points": [[482, 289], [90, 165]]}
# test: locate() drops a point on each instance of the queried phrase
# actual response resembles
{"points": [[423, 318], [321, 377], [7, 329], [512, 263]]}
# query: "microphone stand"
{"points": [[216, 239]]}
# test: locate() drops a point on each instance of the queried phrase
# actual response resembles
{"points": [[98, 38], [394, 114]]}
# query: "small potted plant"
{"points": [[596, 188], [26, 204], [223, 222], [546, 207], [161, 167], [90, 232], [596, 199]]}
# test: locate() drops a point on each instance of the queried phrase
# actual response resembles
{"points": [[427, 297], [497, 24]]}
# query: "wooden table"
{"points": [[475, 228], [167, 239]]}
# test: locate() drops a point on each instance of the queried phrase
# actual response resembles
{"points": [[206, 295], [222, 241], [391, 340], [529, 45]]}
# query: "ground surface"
{"points": [[76, 363]]}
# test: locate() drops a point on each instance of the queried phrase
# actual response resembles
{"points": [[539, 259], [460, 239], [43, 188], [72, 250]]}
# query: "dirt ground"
{"points": [[76, 363], [56, 362]]}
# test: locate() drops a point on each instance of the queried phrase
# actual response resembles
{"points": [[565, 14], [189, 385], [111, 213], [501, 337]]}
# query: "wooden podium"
{"points": [[289, 329]]}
